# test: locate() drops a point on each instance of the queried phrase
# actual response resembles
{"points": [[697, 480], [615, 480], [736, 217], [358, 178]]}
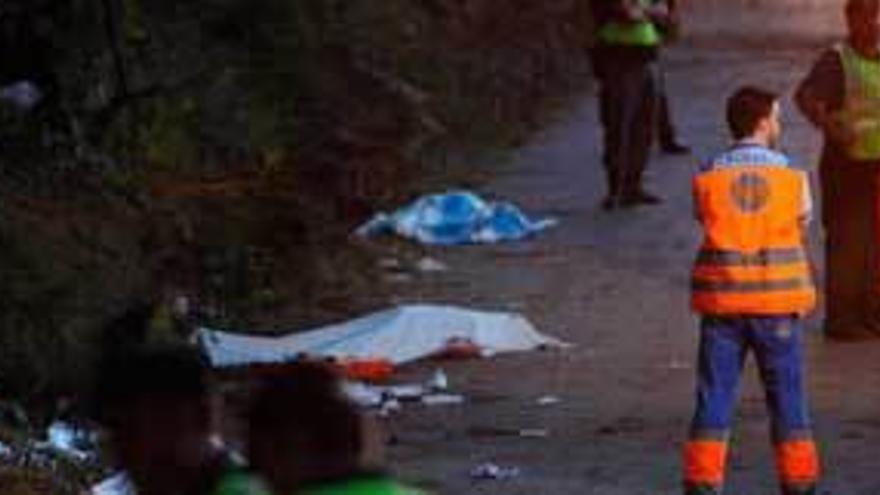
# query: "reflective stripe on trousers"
{"points": [[724, 344]]}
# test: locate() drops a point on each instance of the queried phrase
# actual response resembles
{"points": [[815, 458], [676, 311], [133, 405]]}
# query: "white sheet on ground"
{"points": [[400, 335], [118, 484]]}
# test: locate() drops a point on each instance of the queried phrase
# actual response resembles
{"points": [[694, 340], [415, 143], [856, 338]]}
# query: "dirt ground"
{"points": [[616, 286]]}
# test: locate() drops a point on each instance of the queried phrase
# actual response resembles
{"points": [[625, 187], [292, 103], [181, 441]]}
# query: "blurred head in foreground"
{"points": [[155, 404], [303, 431]]}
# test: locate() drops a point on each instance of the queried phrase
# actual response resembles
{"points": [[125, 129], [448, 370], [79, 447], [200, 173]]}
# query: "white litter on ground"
{"points": [[548, 400], [442, 399], [70, 440], [118, 484], [24, 94], [431, 265], [492, 471]]}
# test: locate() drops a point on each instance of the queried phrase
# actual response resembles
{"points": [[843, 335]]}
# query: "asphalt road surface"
{"points": [[616, 285]]}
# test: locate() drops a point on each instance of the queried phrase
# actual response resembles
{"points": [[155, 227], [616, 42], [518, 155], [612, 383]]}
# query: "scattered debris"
{"points": [[24, 94], [496, 431], [389, 263], [431, 265], [548, 400], [622, 426], [492, 471], [442, 399], [439, 380], [534, 433], [404, 392], [456, 217], [479, 431], [676, 364], [75, 442], [391, 398], [363, 395], [399, 278], [118, 484]]}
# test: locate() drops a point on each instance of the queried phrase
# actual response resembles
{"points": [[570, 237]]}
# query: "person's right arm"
{"points": [[820, 96]]}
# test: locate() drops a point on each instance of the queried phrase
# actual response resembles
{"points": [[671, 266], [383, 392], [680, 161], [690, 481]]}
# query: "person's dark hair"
{"points": [[307, 404], [745, 109], [135, 374]]}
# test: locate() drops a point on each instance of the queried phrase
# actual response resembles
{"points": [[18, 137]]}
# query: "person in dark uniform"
{"points": [[667, 137], [841, 97], [628, 41]]}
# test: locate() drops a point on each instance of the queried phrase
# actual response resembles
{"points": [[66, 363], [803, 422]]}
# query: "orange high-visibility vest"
{"points": [[752, 260]]}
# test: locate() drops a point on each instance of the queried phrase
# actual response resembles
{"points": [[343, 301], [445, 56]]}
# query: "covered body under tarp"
{"points": [[456, 217], [399, 335]]}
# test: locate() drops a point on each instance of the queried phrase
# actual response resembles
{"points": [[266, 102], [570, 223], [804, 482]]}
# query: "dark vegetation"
{"points": [[222, 150]]}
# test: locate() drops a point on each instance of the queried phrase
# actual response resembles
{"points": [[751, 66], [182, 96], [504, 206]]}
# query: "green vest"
{"points": [[642, 33], [366, 486], [861, 104]]}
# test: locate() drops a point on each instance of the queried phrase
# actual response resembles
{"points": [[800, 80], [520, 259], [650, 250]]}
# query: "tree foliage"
{"points": [[223, 149]]}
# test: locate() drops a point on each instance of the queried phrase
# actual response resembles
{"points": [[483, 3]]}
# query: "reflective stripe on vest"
{"points": [[763, 257], [643, 33], [861, 107], [752, 260]]}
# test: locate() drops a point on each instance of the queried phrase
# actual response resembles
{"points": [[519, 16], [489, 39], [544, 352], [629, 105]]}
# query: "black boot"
{"points": [[615, 197], [673, 147], [808, 489], [701, 489]]}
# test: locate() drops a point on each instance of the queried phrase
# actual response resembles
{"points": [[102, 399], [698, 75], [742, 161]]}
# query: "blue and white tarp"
{"points": [[457, 217]]}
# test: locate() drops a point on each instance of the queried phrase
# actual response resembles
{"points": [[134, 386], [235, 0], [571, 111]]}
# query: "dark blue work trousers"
{"points": [[627, 108], [776, 342]]}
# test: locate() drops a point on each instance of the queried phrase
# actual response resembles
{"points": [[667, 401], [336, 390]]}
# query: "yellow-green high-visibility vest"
{"points": [[640, 33], [861, 104]]}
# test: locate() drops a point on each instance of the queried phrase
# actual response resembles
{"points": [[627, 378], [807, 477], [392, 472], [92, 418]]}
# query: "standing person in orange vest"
{"points": [[841, 97], [751, 285]]}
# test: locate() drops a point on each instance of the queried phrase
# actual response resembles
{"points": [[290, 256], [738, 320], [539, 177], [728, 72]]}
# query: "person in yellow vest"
{"points": [[751, 285], [625, 55], [841, 97]]}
